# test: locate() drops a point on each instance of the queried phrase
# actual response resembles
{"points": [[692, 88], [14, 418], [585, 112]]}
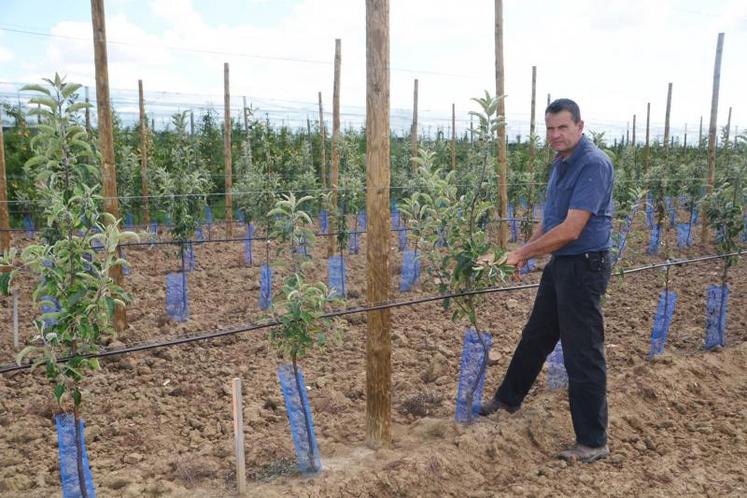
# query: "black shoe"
{"points": [[494, 405]]}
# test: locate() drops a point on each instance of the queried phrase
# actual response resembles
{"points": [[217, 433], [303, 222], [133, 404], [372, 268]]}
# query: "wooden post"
{"points": [[471, 130], [335, 170], [191, 123], [547, 142], [4, 217], [414, 129], [647, 147], [143, 156], [728, 129], [237, 406], [106, 138], [684, 144], [453, 137], [379, 344], [627, 133], [502, 163], [227, 160], [246, 119], [16, 342], [666, 119], [700, 133], [633, 131], [322, 144], [88, 115], [532, 138], [712, 132]]}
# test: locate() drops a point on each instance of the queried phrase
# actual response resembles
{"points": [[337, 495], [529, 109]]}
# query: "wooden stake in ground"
{"points": [[666, 119], [16, 342], [238, 436], [4, 217], [143, 155], [712, 132], [335, 172], [322, 145], [502, 162], [532, 138], [453, 137], [700, 133], [379, 343], [227, 160], [414, 129], [106, 138], [647, 147], [634, 131]]}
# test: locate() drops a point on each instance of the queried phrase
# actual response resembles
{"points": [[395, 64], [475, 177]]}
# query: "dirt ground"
{"points": [[158, 423]]}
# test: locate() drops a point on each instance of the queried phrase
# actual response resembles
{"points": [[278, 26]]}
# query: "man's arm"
{"points": [[544, 243]]}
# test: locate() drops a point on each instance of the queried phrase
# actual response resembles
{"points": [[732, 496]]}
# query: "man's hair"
{"points": [[560, 105]]}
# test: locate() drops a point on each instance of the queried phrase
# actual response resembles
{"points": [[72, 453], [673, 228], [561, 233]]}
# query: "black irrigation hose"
{"points": [[357, 309]]}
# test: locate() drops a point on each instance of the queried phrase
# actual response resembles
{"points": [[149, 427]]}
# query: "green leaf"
{"points": [[5, 283], [59, 390]]}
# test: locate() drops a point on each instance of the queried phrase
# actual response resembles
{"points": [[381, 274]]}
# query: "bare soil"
{"points": [[158, 423]]}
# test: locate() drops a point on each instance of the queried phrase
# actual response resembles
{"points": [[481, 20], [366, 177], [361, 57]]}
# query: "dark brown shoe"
{"points": [[493, 406], [585, 454]]}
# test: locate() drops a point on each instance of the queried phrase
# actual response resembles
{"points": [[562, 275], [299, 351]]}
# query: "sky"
{"points": [[611, 57]]}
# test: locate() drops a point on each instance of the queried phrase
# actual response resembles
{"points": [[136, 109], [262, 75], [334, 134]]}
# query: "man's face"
{"points": [[562, 133]]}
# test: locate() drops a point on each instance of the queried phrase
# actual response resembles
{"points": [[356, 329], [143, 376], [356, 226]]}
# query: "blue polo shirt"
{"points": [[581, 181]]}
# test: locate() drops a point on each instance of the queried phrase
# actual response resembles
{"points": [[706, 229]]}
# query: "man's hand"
{"points": [[515, 259]]}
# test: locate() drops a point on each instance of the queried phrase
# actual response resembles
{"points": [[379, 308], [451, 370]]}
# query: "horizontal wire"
{"points": [[354, 310]]}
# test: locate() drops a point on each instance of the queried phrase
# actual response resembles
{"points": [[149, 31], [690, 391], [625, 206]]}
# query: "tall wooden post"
{"points": [[378, 345], [106, 137], [502, 162], [647, 145], [414, 129], [88, 114], [143, 155], [712, 132], [335, 170], [532, 138], [227, 159], [322, 144], [633, 141], [666, 119], [453, 137], [4, 218]]}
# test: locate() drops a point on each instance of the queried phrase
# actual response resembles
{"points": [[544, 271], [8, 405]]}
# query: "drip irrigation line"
{"points": [[358, 309]]}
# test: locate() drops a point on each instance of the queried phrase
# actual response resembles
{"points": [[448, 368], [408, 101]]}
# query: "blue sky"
{"points": [[612, 59]]}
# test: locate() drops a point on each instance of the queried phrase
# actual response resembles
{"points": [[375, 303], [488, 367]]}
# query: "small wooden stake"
{"points": [[633, 142], [238, 436], [227, 160], [335, 170], [666, 119], [143, 155], [532, 137], [16, 343], [453, 137], [414, 129], [647, 148], [712, 132]]}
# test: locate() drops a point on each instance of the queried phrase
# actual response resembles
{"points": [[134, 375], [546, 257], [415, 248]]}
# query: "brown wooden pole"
{"points": [[532, 136], [666, 119], [4, 218], [647, 147], [700, 133], [246, 120], [143, 155], [414, 129], [106, 137], [633, 141], [335, 170], [227, 160], [453, 137], [712, 132], [728, 129], [322, 144], [378, 344], [502, 162], [88, 115], [237, 410]]}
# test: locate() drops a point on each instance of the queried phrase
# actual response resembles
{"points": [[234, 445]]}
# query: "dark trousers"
{"points": [[567, 307]]}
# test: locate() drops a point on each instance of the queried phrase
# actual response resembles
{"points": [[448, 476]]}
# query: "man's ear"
{"points": [[580, 125]]}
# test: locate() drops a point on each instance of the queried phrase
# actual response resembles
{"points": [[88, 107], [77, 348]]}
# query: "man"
{"points": [[576, 230]]}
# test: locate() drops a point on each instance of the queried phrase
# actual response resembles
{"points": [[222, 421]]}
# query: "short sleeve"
{"points": [[592, 190]]}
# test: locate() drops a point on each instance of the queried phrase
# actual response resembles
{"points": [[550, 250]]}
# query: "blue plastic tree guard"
{"points": [[199, 235], [28, 224], [744, 230], [128, 221], [664, 312], [302, 427], [684, 235], [302, 250], [248, 256], [354, 242], [672, 217], [653, 244], [189, 257], [362, 221], [154, 231], [716, 305], [650, 212], [557, 377], [402, 237], [694, 216], [68, 450], [395, 219], [324, 221], [265, 286], [177, 296], [49, 304], [336, 276], [240, 217], [473, 356], [530, 266], [208, 215], [410, 272]]}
